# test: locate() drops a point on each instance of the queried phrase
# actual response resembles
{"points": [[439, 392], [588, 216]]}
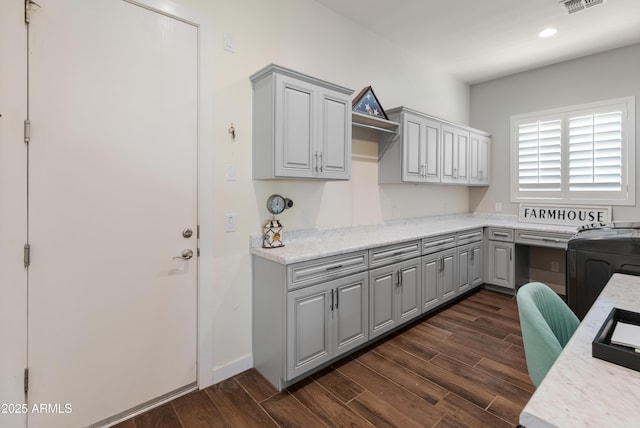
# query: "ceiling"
{"points": [[479, 40]]}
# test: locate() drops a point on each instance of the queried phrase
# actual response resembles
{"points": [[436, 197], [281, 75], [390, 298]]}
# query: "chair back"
{"points": [[547, 324]]}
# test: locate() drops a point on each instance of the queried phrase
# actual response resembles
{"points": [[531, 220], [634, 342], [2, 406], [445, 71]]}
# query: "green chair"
{"points": [[547, 324]]}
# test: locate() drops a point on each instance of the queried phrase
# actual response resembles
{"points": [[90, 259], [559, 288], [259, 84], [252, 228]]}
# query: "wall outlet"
{"points": [[498, 207]]}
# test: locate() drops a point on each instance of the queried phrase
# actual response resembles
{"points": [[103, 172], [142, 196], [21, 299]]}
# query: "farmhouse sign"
{"points": [[571, 215]]}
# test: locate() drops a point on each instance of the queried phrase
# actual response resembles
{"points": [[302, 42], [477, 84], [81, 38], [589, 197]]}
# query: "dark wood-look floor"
{"points": [[462, 367]]}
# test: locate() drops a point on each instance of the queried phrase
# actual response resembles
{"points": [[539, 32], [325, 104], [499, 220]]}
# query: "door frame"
{"points": [[13, 224], [13, 218]]}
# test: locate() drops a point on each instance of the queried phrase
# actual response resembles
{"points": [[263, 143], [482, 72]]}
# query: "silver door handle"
{"points": [[186, 255]]}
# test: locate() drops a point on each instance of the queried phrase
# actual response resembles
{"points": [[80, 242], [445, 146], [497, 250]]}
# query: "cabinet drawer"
{"points": [[500, 234], [393, 253], [437, 243], [314, 271], [542, 239], [468, 236]]}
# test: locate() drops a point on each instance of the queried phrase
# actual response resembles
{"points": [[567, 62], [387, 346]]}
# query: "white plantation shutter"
{"points": [[539, 162], [595, 152], [580, 154]]}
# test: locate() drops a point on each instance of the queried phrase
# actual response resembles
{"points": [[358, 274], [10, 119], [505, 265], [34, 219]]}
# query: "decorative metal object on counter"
{"points": [[272, 234], [272, 229]]}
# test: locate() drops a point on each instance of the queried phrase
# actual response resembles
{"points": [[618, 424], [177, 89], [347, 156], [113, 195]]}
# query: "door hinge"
{"points": [[26, 380], [27, 255], [27, 131], [28, 8], [198, 232], [198, 252]]}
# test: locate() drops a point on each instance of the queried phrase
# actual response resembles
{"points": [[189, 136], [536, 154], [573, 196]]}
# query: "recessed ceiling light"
{"points": [[547, 32]]}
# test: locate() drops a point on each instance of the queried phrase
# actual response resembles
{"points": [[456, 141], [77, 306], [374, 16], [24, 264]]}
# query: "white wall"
{"points": [[608, 75], [305, 36]]}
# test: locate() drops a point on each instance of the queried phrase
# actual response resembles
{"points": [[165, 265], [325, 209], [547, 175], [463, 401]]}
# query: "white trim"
{"points": [[564, 196], [233, 368]]}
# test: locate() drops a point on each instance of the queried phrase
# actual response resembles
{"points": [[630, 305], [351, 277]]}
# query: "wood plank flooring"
{"points": [[462, 367]]}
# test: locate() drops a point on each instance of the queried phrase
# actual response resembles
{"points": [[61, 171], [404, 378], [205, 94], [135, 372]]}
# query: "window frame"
{"points": [[625, 197]]}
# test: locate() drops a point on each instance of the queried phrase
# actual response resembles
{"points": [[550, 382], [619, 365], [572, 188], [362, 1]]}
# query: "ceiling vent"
{"points": [[573, 6]]}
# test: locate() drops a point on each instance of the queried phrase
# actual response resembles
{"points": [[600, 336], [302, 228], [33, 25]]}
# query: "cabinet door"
{"points": [[464, 268], [455, 146], [477, 265], [382, 308], [308, 329], [478, 159], [448, 167], [295, 128], [413, 149], [430, 273], [350, 312], [431, 169], [501, 264], [409, 290], [448, 272], [334, 151], [461, 168]]}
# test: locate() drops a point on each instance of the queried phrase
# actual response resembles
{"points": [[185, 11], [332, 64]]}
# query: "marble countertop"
{"points": [[311, 244], [582, 391]]}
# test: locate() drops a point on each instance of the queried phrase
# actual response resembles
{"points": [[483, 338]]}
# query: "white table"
{"points": [[583, 391]]}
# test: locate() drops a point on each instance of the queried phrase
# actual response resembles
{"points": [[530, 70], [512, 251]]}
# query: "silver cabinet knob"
{"points": [[186, 255]]}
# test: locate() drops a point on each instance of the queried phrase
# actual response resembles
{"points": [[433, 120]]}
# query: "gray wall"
{"points": [[608, 75]]}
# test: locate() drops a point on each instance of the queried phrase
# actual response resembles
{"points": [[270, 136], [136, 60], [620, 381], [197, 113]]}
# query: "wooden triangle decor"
{"points": [[367, 103]]}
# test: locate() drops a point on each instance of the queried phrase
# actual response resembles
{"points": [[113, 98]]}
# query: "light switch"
{"points": [[231, 173], [228, 42], [230, 223]]}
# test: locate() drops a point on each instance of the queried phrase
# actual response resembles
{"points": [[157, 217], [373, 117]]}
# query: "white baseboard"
{"points": [[233, 368]]}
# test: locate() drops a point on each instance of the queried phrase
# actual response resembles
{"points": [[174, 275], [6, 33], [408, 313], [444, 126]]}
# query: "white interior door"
{"points": [[112, 185]]}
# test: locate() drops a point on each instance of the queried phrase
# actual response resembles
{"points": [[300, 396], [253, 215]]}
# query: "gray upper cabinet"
{"points": [[412, 155], [479, 146], [301, 126], [430, 150]]}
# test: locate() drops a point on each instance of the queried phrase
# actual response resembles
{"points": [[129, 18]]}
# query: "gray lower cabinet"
{"points": [[501, 264], [324, 321], [470, 266], [394, 295], [438, 278]]}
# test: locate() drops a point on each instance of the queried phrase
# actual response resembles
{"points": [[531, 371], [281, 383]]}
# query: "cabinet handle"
{"points": [[334, 267], [472, 253], [337, 298], [503, 234], [316, 161], [435, 244], [399, 278], [321, 162], [510, 254], [331, 307]]}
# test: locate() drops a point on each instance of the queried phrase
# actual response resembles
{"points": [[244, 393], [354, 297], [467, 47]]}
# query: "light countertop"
{"points": [[311, 244], [582, 391]]}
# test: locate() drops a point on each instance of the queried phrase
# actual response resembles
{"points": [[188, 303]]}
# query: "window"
{"points": [[580, 154]]}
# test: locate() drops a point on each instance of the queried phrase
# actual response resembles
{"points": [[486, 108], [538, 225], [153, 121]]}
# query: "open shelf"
{"points": [[374, 122]]}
